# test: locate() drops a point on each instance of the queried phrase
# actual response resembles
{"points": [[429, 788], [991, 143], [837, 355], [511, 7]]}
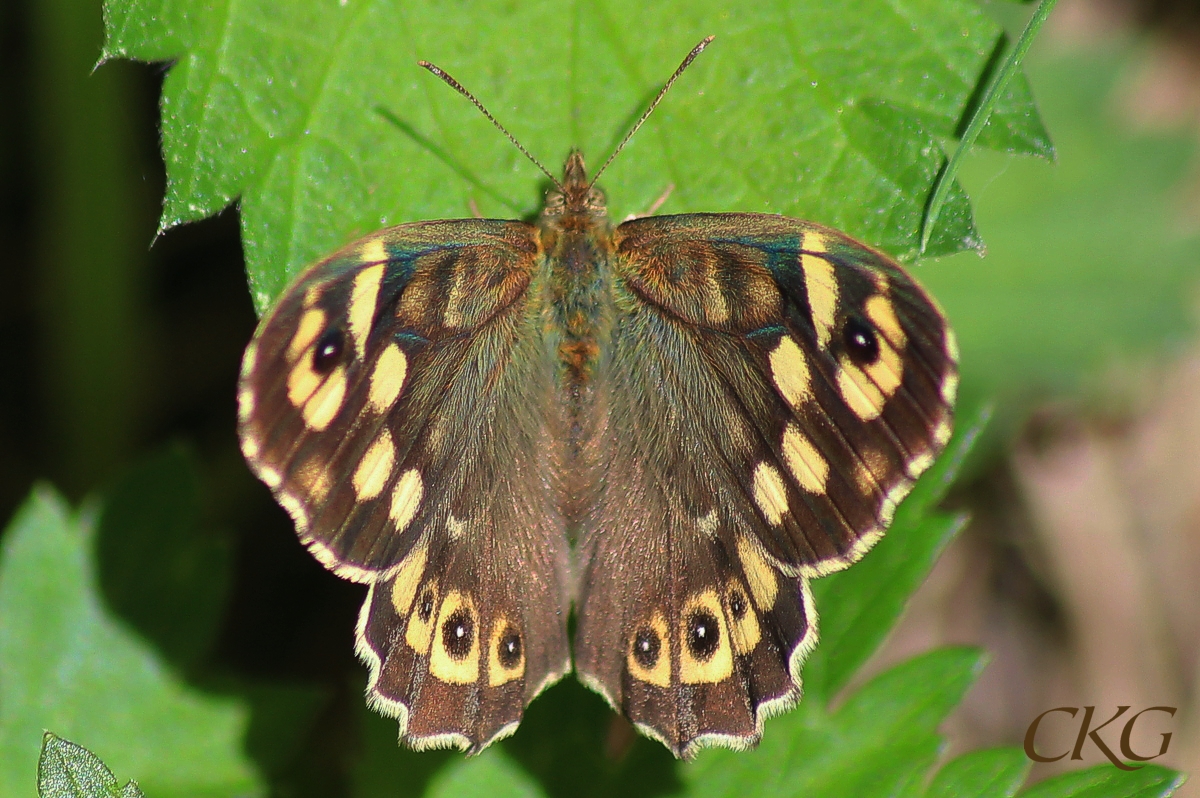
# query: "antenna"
{"points": [[458, 87], [687, 62]]}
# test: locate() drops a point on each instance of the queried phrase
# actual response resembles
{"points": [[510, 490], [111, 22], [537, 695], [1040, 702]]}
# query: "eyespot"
{"points": [[458, 633], [328, 350], [509, 649], [862, 342], [703, 635], [646, 647]]}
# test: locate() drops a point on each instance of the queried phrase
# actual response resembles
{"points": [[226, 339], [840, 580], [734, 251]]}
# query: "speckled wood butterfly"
{"points": [[669, 425]]}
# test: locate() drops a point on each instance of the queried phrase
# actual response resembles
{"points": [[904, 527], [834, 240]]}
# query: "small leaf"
{"points": [[989, 773], [67, 770]]}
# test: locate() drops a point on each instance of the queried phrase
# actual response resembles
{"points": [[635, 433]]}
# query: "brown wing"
{"points": [[773, 388], [394, 401]]}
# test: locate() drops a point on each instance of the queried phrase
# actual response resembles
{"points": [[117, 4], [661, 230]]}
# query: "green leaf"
{"points": [[1106, 781], [316, 115], [491, 774], [988, 773], [857, 607], [66, 665], [881, 742], [67, 770]]}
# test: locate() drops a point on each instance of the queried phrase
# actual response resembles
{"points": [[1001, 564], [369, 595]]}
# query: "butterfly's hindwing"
{"points": [[774, 389], [406, 433]]}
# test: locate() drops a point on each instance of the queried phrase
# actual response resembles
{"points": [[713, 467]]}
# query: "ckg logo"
{"points": [[1086, 732]]}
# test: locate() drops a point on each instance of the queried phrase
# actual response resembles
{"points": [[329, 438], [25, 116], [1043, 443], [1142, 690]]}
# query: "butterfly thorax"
{"points": [[577, 239]]}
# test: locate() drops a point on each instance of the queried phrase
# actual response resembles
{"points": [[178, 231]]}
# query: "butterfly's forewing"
{"points": [[415, 358], [771, 391]]}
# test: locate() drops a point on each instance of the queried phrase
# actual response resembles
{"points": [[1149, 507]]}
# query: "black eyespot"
{"points": [[425, 607], [458, 632], [861, 341], [509, 649], [737, 604], [703, 635], [328, 351], [646, 646]]}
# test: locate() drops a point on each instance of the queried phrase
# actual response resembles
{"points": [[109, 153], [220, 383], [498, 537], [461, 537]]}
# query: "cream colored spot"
{"points": [[659, 671], [406, 498], [249, 359], [952, 344], [867, 390], [302, 382], [919, 464], [941, 435], [363, 297], [719, 665], [707, 523], [883, 315], [375, 467], [950, 387], [422, 618], [442, 664], [760, 576], [770, 493], [821, 285], [789, 369], [310, 326], [373, 251], [860, 393], [454, 527], [408, 578], [311, 295], [498, 673], [326, 401], [245, 403], [294, 507], [804, 461], [270, 477], [896, 495], [250, 448], [387, 378], [744, 631]]}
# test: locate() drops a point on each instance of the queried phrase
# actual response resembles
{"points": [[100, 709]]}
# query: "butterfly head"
{"points": [[575, 195]]}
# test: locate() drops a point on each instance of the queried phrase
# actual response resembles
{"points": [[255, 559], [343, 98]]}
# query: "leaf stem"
{"points": [[991, 96]]}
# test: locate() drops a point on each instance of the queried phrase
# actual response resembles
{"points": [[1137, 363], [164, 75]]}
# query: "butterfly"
{"points": [[666, 426]]}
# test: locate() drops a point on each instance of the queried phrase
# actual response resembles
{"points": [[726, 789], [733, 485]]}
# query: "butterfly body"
{"points": [[669, 426]]}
